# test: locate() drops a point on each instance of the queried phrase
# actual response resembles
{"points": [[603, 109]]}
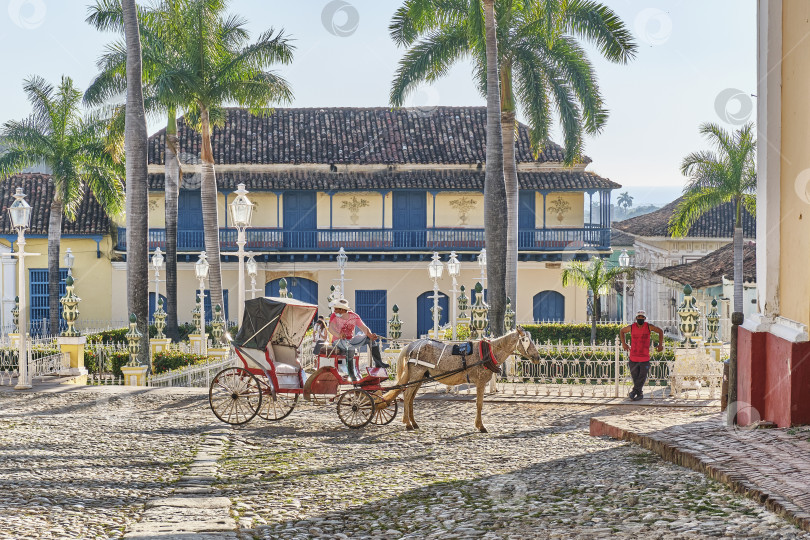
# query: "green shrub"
{"points": [[575, 333], [171, 360], [462, 333]]}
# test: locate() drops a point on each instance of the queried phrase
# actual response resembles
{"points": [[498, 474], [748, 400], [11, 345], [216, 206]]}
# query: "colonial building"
{"points": [[388, 186], [655, 248]]}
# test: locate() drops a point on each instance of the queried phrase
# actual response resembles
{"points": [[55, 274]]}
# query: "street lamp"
{"points": [[624, 262], [201, 271], [159, 315], [69, 258], [342, 258], [482, 262], [157, 262], [241, 215], [454, 269], [252, 270], [435, 269], [20, 214]]}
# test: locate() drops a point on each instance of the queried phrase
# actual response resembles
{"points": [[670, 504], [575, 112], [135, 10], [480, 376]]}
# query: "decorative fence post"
{"points": [[712, 326], [15, 336], [282, 288], [71, 341], [134, 373], [509, 316], [617, 364], [395, 325], [689, 316], [198, 341], [160, 342], [479, 314], [219, 350], [463, 304]]}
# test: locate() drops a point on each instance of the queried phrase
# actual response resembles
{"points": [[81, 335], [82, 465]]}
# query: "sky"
{"points": [[696, 63]]}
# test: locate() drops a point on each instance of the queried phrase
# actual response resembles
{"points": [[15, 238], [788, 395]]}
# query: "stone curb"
{"points": [[737, 482]]}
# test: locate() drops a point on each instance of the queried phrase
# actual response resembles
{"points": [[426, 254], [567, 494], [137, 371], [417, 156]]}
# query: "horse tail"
{"points": [[402, 375]]}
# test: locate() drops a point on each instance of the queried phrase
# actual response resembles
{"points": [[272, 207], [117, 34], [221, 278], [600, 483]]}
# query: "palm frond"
{"points": [[600, 25], [693, 206]]}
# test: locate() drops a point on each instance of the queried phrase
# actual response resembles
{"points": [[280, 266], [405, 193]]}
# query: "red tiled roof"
{"points": [[716, 223], [710, 269], [341, 135], [38, 188]]}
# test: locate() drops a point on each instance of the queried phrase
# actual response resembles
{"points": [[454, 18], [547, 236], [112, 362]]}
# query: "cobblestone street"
{"points": [[84, 464]]}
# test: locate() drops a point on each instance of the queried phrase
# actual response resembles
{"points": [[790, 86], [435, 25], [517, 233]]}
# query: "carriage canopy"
{"points": [[284, 321]]}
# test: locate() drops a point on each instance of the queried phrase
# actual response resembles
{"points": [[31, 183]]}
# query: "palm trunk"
{"points": [[54, 239], [208, 192], [137, 205], [510, 180], [172, 182], [495, 224], [597, 309]]}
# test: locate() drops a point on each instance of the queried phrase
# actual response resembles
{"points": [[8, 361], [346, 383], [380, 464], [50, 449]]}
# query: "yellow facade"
{"points": [[351, 210], [563, 209], [458, 210]]}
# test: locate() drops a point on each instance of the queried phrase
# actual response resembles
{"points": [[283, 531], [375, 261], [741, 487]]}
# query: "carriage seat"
{"points": [[377, 372]]}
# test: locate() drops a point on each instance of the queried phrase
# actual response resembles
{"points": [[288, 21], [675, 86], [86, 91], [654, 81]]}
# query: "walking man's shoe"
{"points": [[638, 397], [632, 395]]}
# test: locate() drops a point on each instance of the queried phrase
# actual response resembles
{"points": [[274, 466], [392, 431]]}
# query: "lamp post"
{"points": [[624, 262], [435, 269], [20, 214], [159, 315], [482, 262], [252, 270], [454, 269], [241, 215], [201, 271], [69, 258], [342, 258]]}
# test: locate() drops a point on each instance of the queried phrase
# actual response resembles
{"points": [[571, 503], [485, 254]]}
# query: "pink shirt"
{"points": [[343, 327]]}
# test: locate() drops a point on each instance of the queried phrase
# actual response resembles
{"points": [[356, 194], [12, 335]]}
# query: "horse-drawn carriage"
{"points": [[270, 378]]}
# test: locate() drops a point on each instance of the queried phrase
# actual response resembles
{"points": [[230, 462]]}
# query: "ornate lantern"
{"points": [[160, 319], [241, 208], [713, 322], [20, 211], [479, 314], [218, 326], [509, 316], [70, 308], [134, 339], [395, 325], [689, 316]]}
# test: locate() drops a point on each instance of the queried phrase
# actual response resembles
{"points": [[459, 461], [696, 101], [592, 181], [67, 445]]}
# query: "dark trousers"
{"points": [[639, 371]]}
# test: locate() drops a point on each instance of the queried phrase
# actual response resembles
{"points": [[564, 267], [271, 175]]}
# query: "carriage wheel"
{"points": [[235, 396], [281, 407], [355, 408], [383, 415]]}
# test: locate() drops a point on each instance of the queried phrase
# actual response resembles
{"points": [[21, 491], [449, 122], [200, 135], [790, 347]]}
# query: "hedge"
{"points": [[170, 360], [576, 333], [119, 335]]}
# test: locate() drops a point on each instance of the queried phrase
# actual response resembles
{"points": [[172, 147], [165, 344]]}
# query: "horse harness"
{"points": [[460, 349]]}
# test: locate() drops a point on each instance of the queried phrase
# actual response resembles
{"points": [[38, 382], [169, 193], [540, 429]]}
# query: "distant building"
{"points": [[656, 249]]}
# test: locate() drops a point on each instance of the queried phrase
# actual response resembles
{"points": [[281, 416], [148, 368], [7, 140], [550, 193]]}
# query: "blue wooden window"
{"points": [[39, 293], [189, 219], [300, 219], [526, 210], [409, 218], [424, 317], [209, 314], [302, 289], [549, 306], [153, 305], [372, 306]]}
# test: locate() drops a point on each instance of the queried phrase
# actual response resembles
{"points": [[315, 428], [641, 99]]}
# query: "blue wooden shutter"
{"points": [[209, 314], [38, 294], [372, 306]]}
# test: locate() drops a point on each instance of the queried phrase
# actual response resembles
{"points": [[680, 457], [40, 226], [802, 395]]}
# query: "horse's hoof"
{"points": [[415, 426], [409, 428], [482, 429]]}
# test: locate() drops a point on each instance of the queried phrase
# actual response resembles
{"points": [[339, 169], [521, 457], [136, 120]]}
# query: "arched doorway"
{"points": [[549, 306], [424, 317], [302, 289]]}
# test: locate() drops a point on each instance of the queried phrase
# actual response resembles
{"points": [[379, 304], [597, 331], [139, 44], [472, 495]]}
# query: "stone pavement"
{"points": [[108, 462], [771, 466]]}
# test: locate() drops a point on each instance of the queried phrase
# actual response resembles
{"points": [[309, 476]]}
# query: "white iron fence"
{"points": [[198, 375]]}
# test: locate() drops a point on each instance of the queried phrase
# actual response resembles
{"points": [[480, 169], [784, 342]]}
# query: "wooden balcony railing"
{"points": [[266, 240]]}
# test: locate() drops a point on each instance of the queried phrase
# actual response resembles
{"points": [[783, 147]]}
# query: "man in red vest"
{"points": [[639, 349]]}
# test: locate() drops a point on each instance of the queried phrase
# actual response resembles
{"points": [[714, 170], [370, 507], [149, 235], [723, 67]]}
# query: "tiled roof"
{"points": [[709, 270], [620, 239], [716, 223], [472, 180], [38, 189], [343, 135]]}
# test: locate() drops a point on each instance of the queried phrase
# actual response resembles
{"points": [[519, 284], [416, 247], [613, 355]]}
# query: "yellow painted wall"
{"points": [[564, 209], [357, 209], [157, 211], [794, 295], [459, 209], [265, 212], [539, 208], [322, 201]]}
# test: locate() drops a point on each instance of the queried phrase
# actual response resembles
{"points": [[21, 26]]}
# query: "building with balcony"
{"points": [[388, 186]]}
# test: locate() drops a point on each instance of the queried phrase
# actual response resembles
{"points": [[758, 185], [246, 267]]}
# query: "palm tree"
{"points": [[135, 140], [213, 63], [80, 152], [159, 25], [541, 66], [625, 200], [716, 178], [597, 278]]}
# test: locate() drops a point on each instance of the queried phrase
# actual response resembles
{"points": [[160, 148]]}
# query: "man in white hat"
{"points": [[639, 349], [342, 325]]}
